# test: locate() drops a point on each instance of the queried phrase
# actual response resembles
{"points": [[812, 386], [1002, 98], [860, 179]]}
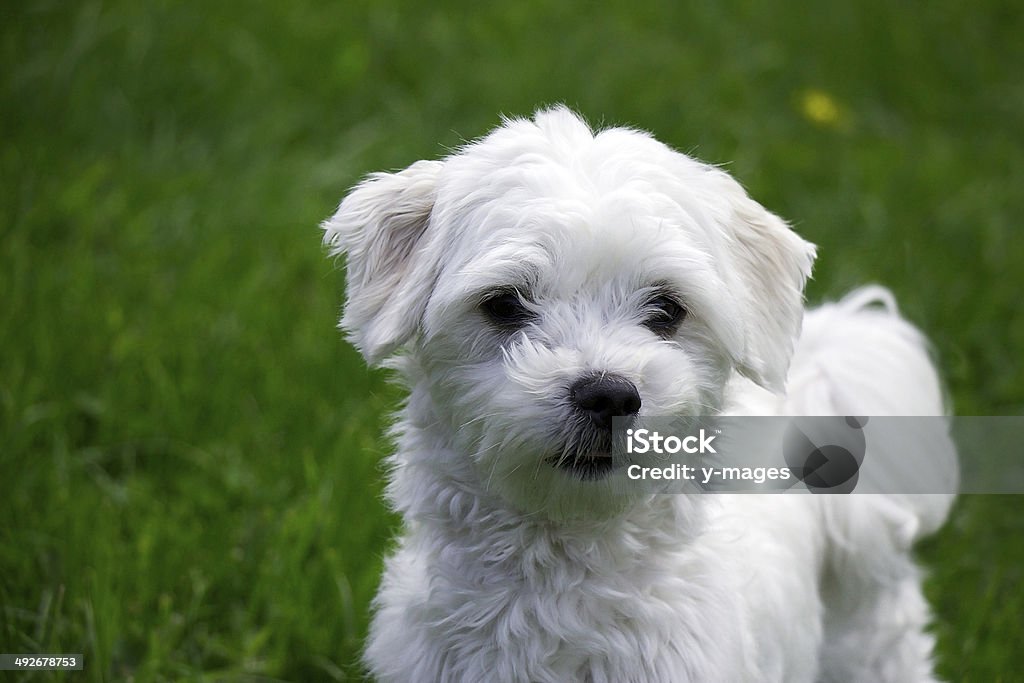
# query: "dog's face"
{"points": [[546, 279]]}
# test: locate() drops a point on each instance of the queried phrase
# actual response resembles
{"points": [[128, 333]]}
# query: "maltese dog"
{"points": [[537, 283]]}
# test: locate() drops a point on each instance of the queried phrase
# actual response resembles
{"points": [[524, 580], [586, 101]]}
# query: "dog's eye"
{"points": [[506, 310], [664, 315]]}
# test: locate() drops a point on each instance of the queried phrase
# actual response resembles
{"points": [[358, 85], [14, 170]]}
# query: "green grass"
{"points": [[189, 477]]}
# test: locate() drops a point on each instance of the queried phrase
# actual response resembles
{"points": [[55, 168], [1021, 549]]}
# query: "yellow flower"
{"points": [[819, 108]]}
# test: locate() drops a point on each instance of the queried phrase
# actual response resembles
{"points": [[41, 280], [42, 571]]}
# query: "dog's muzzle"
{"points": [[596, 400]]}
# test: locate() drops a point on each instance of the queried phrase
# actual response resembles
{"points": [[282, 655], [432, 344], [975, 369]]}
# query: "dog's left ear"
{"points": [[381, 227], [771, 264]]}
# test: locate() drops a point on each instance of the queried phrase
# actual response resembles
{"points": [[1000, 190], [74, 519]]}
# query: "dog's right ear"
{"points": [[380, 227]]}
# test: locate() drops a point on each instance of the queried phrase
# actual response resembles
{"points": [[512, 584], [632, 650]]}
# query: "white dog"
{"points": [[545, 278]]}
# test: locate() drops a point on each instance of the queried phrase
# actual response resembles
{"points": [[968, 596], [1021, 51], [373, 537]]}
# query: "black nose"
{"points": [[603, 397]]}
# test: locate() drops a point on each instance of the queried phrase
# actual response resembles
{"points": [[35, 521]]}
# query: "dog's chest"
{"points": [[578, 613]]}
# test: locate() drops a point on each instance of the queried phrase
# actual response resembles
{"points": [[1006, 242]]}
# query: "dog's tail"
{"points": [[859, 357], [858, 354]]}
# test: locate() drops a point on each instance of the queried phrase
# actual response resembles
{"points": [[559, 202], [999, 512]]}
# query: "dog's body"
{"points": [[541, 280]]}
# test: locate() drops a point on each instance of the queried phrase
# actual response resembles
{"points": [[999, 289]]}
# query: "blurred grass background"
{"points": [[189, 454]]}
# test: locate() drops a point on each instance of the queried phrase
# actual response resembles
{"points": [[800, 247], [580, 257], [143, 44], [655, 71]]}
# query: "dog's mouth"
{"points": [[587, 467], [587, 457]]}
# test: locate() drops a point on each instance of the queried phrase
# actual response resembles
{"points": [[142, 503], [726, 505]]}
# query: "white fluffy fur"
{"points": [[512, 570]]}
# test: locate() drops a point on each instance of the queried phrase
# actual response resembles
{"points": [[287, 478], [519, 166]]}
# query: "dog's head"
{"points": [[546, 278]]}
